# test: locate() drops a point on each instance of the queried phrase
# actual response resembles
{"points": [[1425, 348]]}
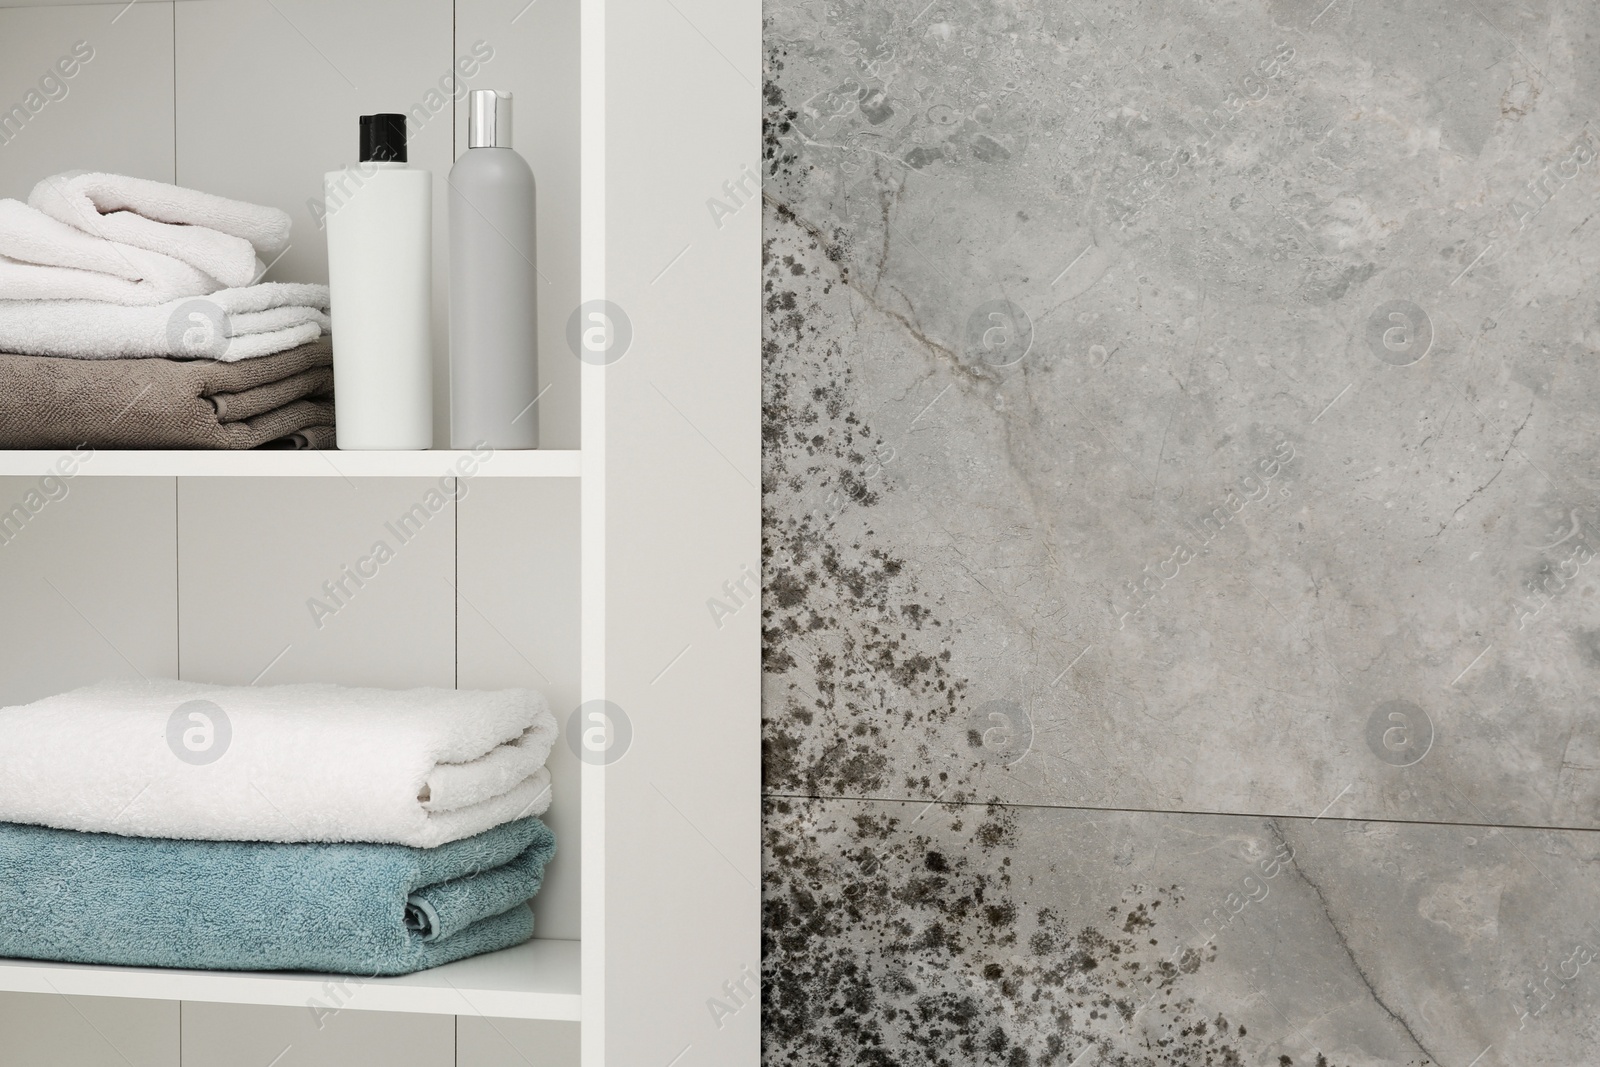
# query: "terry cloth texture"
{"points": [[416, 767], [310, 437], [213, 234], [285, 400], [228, 325], [44, 259], [250, 906]]}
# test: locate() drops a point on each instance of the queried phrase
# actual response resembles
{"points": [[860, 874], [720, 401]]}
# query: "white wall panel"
{"points": [[256, 554], [518, 626], [45, 1030], [482, 1042], [536, 59], [114, 113], [89, 582], [683, 518], [230, 1035]]}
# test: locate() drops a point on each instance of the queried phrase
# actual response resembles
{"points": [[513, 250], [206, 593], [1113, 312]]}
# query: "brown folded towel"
{"points": [[312, 437], [284, 400]]}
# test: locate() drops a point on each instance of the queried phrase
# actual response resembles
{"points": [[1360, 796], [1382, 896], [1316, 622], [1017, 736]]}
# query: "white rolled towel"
{"points": [[216, 235], [227, 325], [44, 259], [416, 767]]}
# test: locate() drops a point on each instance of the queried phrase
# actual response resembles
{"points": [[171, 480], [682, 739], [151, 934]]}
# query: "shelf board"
{"points": [[310, 463], [536, 980]]}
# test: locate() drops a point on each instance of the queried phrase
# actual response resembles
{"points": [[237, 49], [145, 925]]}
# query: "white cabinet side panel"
{"points": [[683, 515]]}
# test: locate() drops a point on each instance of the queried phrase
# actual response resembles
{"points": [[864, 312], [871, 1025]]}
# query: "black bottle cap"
{"points": [[383, 138]]}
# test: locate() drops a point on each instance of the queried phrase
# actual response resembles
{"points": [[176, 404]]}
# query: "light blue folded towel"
{"points": [[255, 906]]}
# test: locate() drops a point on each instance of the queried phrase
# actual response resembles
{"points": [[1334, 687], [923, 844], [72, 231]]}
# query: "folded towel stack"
{"points": [[303, 827], [283, 400], [118, 270]]}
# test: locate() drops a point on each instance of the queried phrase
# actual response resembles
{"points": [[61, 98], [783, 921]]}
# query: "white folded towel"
{"points": [[44, 259], [415, 767], [30, 281], [211, 233], [228, 325]]}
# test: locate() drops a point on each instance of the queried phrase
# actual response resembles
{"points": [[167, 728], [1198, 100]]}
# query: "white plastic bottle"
{"points": [[379, 216], [494, 290]]}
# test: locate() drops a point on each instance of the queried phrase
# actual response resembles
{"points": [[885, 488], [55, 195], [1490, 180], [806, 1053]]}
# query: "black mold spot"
{"points": [[842, 617], [887, 941]]}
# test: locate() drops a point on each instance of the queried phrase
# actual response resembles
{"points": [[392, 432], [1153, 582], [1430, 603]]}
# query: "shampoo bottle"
{"points": [[494, 305], [379, 217]]}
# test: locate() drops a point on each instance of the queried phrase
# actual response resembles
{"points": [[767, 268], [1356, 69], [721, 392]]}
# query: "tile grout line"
{"points": [[1181, 811]]}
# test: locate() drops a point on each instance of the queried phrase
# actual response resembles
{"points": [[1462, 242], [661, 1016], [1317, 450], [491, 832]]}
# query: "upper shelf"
{"points": [[259, 463], [536, 980]]}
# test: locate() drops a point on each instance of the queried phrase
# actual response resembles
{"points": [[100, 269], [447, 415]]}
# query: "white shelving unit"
{"points": [[538, 980], [556, 979], [542, 979], [171, 562]]}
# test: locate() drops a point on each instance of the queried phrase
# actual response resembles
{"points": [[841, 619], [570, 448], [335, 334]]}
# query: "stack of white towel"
{"points": [[418, 767], [102, 266]]}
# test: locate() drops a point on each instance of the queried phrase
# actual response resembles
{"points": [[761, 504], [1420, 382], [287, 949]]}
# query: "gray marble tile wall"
{"points": [[1181, 507]]}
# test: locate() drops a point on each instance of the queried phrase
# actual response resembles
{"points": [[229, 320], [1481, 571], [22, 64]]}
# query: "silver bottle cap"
{"points": [[488, 119]]}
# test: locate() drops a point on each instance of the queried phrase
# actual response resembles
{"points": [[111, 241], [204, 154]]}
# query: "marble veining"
{"points": [[1182, 411], [899, 933]]}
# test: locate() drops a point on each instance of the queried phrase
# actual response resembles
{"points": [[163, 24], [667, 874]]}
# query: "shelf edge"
{"points": [[324, 991], [541, 463]]}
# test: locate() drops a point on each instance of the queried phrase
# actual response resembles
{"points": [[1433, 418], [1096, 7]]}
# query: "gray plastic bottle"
{"points": [[494, 296]]}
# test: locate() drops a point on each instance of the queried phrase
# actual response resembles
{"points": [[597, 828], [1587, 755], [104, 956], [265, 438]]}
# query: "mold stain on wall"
{"points": [[945, 530]]}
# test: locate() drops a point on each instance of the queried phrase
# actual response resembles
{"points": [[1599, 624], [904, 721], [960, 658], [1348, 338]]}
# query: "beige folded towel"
{"points": [[283, 400]]}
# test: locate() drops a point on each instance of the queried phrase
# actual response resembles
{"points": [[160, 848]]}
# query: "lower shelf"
{"points": [[538, 980], [284, 463]]}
